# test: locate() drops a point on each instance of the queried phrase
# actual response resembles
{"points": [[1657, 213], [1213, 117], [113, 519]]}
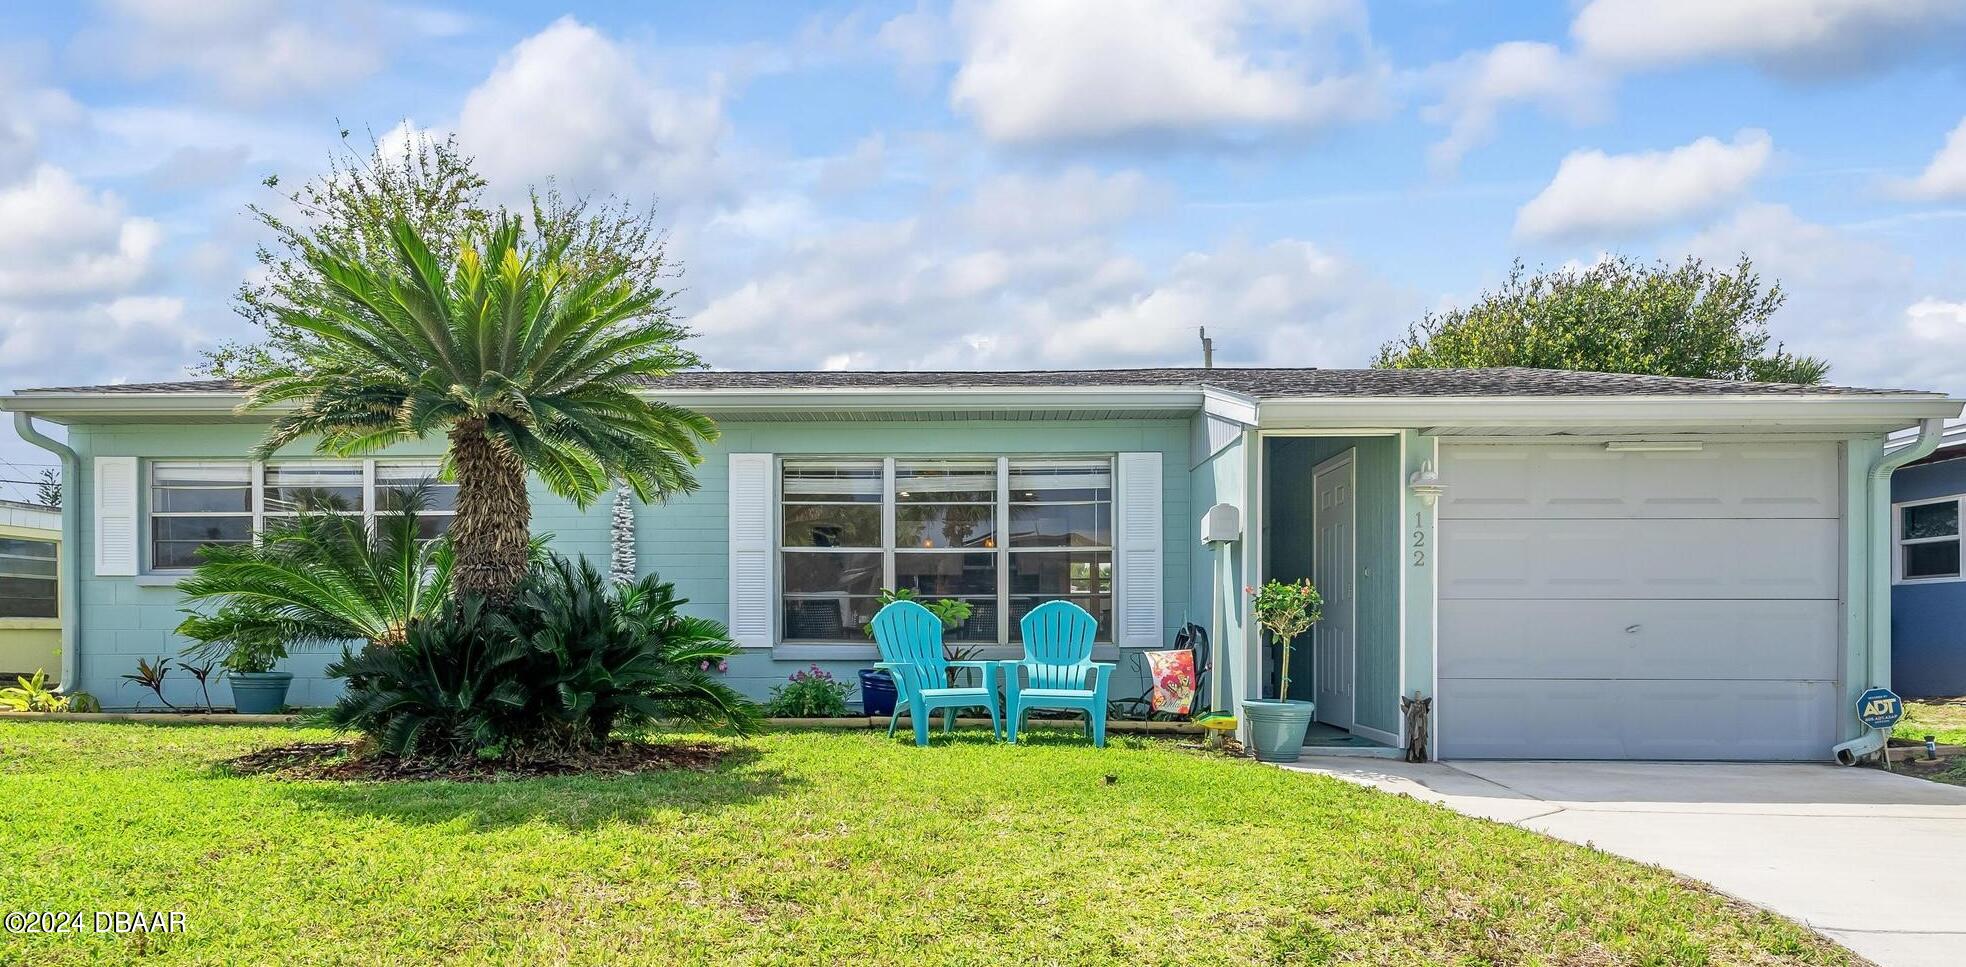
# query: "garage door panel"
{"points": [[1594, 719], [1639, 639], [1633, 558], [1586, 480], [1639, 604]]}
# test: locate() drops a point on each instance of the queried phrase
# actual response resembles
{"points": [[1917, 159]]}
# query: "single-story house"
{"points": [[30, 619], [1928, 587], [1571, 565]]}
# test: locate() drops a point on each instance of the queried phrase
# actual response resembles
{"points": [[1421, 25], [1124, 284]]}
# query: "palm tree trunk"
{"points": [[494, 520]]}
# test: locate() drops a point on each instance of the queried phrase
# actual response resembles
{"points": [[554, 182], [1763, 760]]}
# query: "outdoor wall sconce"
{"points": [[1425, 483]]}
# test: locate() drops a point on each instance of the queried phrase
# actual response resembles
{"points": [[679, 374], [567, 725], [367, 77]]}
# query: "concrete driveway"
{"points": [[1874, 861]]}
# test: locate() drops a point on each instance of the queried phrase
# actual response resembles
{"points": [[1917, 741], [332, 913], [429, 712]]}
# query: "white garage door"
{"points": [[1597, 604]]}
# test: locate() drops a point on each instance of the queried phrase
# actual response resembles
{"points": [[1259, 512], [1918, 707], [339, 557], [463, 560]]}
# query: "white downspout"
{"points": [[1877, 572], [71, 549]]}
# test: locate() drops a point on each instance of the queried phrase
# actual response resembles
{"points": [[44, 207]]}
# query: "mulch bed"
{"points": [[339, 762]]}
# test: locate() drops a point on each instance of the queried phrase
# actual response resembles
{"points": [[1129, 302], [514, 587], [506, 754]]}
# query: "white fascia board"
{"points": [[63, 407], [1229, 405], [726, 402], [873, 400], [1883, 411]]}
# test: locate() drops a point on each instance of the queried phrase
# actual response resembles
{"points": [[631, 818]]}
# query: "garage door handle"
{"points": [[1631, 629]]}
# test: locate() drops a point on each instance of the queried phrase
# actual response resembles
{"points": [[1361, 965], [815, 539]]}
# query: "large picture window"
{"points": [[1928, 540], [1002, 534], [27, 578], [195, 504]]}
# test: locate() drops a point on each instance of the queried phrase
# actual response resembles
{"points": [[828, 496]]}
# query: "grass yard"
{"points": [[1943, 717], [816, 847]]}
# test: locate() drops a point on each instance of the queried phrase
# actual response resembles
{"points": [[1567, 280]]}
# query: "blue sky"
{"points": [[1020, 183]]}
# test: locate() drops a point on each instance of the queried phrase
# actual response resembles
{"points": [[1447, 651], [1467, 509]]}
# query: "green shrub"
{"points": [[575, 658], [318, 578], [810, 694]]}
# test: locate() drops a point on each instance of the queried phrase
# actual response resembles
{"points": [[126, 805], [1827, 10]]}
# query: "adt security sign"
{"points": [[1880, 708]]}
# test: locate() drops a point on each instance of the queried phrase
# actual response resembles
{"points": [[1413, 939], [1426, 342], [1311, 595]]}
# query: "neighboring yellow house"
{"points": [[30, 619]]}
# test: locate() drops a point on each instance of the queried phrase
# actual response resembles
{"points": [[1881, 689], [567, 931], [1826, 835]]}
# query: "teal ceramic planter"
{"points": [[1276, 729], [259, 693]]}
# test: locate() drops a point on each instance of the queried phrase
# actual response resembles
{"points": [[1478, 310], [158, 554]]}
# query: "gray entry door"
{"points": [[1334, 563], [1609, 604]]}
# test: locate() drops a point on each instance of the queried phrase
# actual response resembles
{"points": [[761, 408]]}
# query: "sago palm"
{"points": [[316, 579], [526, 356]]}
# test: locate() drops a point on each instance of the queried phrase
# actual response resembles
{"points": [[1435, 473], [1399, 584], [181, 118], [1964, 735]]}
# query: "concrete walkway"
{"points": [[1875, 861]]}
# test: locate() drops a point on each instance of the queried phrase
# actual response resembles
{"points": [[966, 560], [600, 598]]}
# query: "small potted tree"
{"points": [[247, 655], [1277, 726]]}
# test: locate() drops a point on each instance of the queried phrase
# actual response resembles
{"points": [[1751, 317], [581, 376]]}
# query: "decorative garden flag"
{"points": [[1173, 675]]}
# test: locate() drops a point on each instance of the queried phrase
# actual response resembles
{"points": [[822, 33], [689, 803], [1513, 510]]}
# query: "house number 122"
{"points": [[1419, 541]]}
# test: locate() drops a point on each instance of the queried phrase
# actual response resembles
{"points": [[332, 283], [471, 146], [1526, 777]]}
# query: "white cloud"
{"points": [[247, 51], [1945, 176], [1595, 193], [57, 238], [26, 111], [1036, 71], [1933, 320], [573, 105], [1800, 37], [73, 267], [1479, 85], [941, 290]]}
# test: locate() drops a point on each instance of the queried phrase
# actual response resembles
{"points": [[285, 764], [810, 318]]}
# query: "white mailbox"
{"points": [[1221, 524]]}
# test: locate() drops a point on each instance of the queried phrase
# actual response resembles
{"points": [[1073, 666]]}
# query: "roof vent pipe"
{"points": [[1207, 350]]}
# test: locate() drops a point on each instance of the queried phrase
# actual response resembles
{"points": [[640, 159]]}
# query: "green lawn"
{"points": [[1945, 718], [816, 847]]}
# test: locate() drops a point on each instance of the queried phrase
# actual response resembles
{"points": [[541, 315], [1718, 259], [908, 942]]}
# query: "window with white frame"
{"points": [[1002, 534], [1928, 540], [28, 581], [194, 504], [397, 480]]}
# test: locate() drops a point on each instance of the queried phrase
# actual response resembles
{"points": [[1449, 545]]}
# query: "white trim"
{"points": [[1891, 410], [1899, 543]]}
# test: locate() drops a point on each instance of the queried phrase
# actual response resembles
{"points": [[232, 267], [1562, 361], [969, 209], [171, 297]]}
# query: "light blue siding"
{"points": [[684, 539]]}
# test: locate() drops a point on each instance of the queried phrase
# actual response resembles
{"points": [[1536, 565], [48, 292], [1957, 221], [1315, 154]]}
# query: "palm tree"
{"points": [[317, 579], [528, 356]]}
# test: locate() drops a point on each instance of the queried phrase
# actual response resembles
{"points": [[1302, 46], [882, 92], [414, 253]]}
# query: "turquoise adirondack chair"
{"points": [[910, 639], [1058, 663]]}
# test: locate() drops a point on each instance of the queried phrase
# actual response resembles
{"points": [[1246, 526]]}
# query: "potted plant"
{"points": [[877, 693], [1277, 726], [248, 661]]}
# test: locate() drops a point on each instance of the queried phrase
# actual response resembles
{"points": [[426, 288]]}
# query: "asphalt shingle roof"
{"points": [[1261, 383]]}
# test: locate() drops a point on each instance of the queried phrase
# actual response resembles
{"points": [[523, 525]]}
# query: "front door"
{"points": [[1334, 559]]}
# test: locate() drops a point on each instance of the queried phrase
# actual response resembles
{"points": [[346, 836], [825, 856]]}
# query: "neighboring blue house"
{"points": [[1572, 565], [1928, 593]]}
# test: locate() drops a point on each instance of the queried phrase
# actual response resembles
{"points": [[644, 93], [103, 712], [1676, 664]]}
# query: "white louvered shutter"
{"points": [[750, 549], [116, 516], [1137, 551]]}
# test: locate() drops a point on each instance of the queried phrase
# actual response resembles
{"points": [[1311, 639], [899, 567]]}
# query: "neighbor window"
{"points": [[1928, 540], [27, 578], [195, 504], [1003, 535]]}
